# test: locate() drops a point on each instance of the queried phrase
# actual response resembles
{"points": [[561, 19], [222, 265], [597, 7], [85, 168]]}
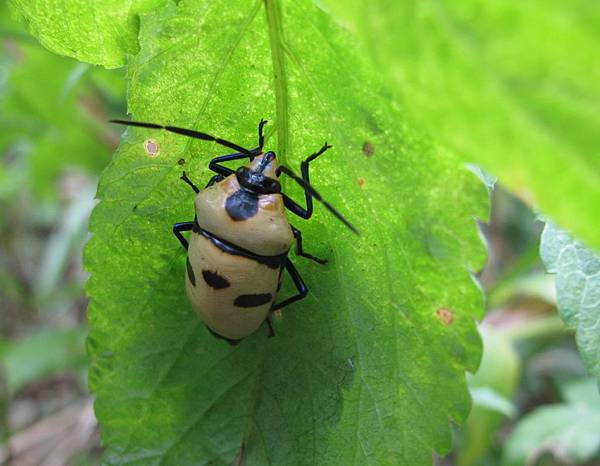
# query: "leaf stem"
{"points": [[274, 23]]}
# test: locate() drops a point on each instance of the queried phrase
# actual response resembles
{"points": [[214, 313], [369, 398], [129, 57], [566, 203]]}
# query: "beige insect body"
{"points": [[234, 293], [267, 232], [241, 237]]}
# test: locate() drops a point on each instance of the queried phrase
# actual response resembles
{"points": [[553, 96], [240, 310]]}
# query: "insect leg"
{"points": [[293, 206], [178, 228], [215, 166], [300, 286], [188, 181], [261, 136], [213, 180], [300, 251], [270, 324], [312, 192]]}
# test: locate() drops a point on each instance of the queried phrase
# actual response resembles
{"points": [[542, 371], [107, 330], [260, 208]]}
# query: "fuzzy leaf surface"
{"points": [[97, 32], [369, 368], [511, 86], [577, 270]]}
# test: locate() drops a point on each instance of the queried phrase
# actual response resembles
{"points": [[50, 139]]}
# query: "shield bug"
{"points": [[241, 237]]}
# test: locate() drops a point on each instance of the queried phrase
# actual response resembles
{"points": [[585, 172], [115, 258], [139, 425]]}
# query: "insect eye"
{"points": [[278, 172]]}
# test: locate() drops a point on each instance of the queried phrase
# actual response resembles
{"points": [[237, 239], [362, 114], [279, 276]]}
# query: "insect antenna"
{"points": [[314, 193], [185, 132]]}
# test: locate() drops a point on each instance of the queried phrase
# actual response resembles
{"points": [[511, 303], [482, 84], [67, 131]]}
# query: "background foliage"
{"points": [[53, 144], [390, 330], [578, 288], [511, 86]]}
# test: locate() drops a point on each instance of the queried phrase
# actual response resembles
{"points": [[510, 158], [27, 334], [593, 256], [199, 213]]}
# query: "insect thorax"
{"points": [[255, 222]]}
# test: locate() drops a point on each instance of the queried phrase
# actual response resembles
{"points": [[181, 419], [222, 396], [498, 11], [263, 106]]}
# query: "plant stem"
{"points": [[274, 22]]}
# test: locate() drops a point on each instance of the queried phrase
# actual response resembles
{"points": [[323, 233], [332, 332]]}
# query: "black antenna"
{"points": [[313, 192], [185, 132]]}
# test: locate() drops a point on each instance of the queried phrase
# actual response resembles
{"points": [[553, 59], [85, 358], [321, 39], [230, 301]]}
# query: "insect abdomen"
{"points": [[232, 293]]}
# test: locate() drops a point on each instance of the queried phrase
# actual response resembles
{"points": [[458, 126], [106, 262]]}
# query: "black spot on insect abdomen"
{"points": [[190, 272], [252, 300], [241, 205], [214, 280]]}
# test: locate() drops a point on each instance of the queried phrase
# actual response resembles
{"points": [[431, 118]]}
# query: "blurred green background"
{"points": [[531, 396], [54, 142]]}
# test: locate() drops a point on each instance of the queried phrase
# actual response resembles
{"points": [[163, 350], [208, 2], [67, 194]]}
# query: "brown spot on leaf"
{"points": [[445, 315], [181, 162], [368, 149], [361, 182], [151, 147]]}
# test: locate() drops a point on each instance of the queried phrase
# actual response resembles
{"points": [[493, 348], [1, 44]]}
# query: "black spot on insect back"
{"points": [[190, 272], [242, 205], [214, 280], [252, 300]]}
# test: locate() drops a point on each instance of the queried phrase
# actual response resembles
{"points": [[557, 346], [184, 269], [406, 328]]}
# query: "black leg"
{"points": [[300, 251], [294, 207], [213, 180], [261, 136], [310, 193], [270, 324], [178, 228], [215, 166], [188, 181], [300, 285]]}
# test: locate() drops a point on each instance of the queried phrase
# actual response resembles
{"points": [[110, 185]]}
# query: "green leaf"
{"points": [[577, 272], [581, 392], [511, 86], [569, 431], [369, 368], [101, 33], [41, 354], [49, 112], [489, 399]]}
